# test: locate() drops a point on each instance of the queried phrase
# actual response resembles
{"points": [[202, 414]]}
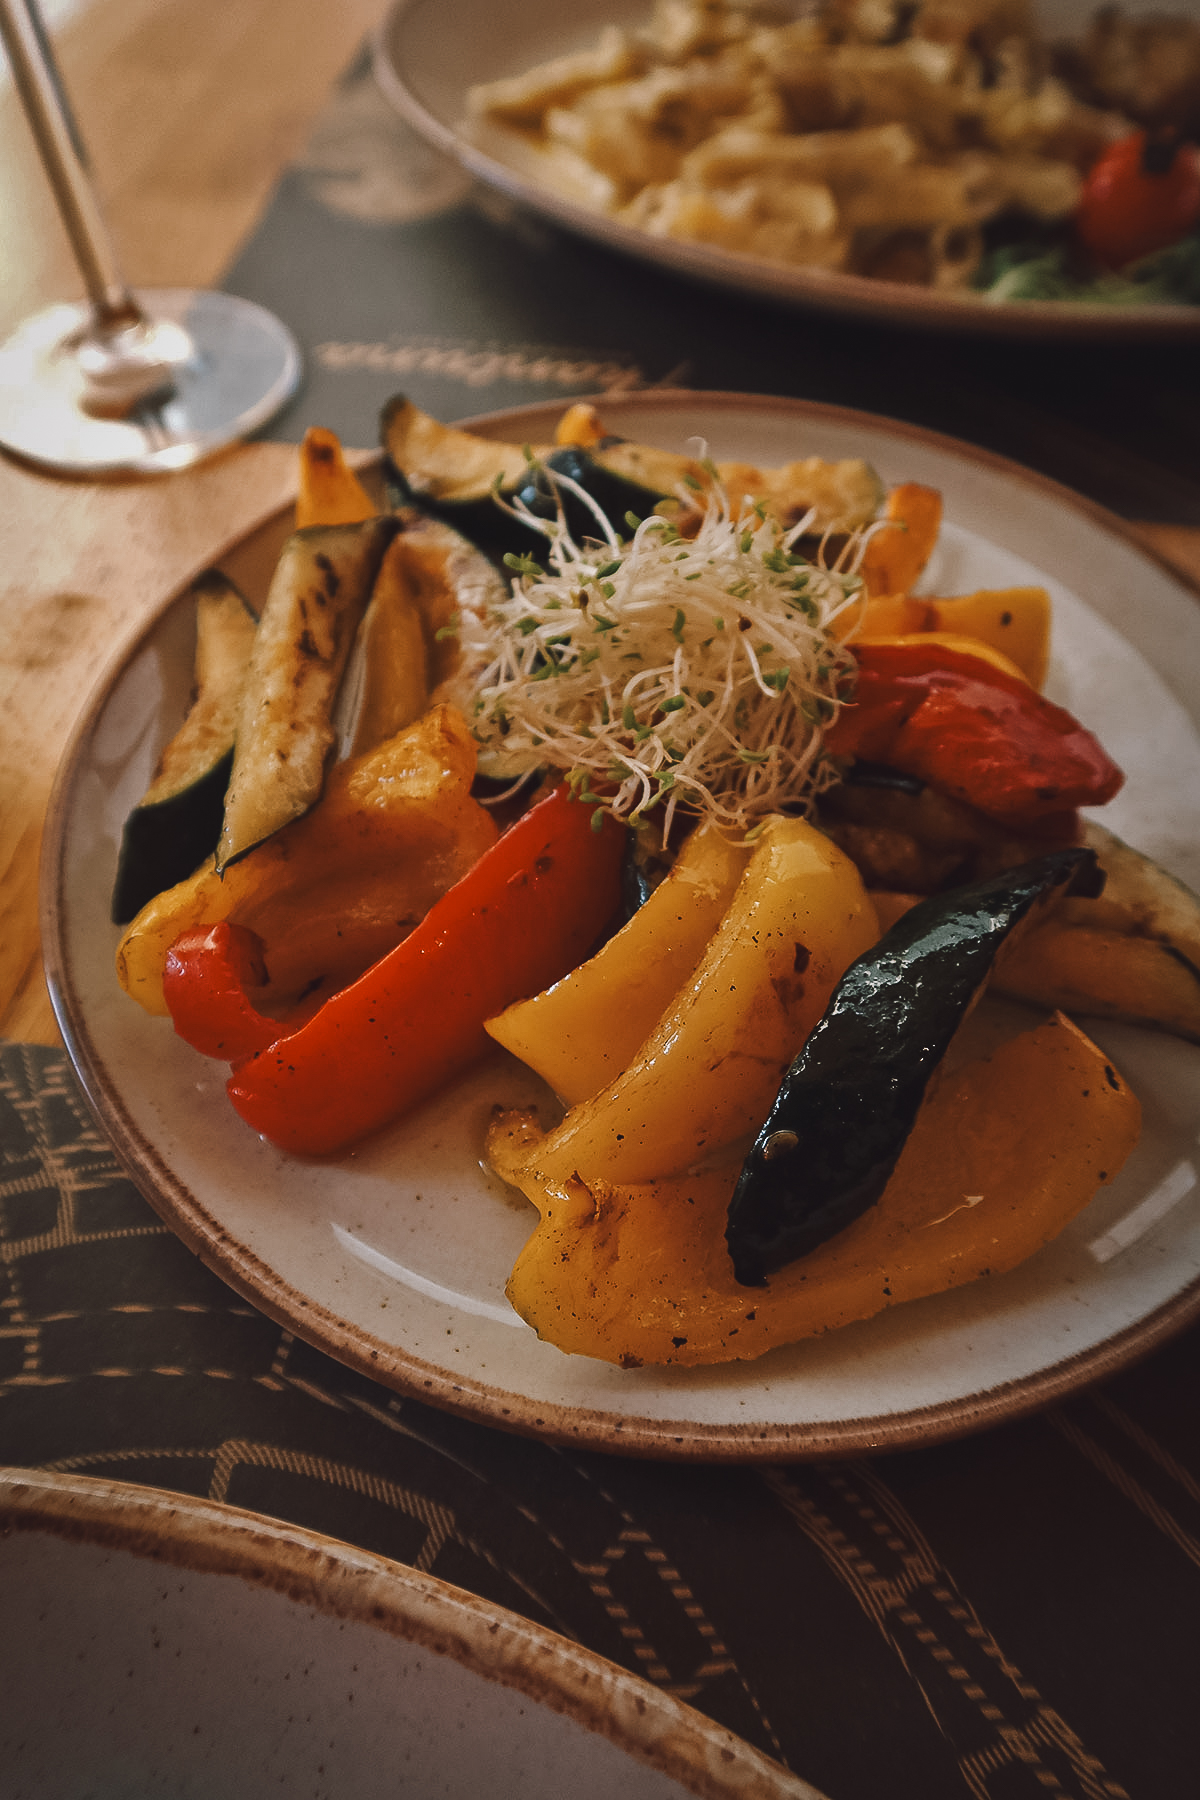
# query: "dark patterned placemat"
{"points": [[1007, 1617]]}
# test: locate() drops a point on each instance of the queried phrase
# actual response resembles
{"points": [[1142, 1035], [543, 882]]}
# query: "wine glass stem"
{"points": [[42, 95]]}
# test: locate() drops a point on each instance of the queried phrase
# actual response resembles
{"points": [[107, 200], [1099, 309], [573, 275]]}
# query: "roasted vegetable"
{"points": [[881, 615], [177, 822], [387, 677], [836, 498], [1003, 1155], [330, 493], [586, 1030], [456, 476], [336, 889], [1015, 620], [706, 1074], [1133, 953], [447, 577], [974, 732], [957, 642], [899, 548], [284, 732], [213, 976], [526, 912], [849, 1100], [886, 821], [903, 835]]}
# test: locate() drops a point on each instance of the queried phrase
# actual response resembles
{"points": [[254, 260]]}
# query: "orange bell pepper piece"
{"points": [[897, 551]]}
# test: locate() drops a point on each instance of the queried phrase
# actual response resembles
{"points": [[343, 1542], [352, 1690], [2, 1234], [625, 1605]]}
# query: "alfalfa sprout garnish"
{"points": [[689, 666]]}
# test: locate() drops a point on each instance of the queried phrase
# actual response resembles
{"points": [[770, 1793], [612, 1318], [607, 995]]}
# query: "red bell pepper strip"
{"points": [[524, 916], [971, 730], [205, 979]]}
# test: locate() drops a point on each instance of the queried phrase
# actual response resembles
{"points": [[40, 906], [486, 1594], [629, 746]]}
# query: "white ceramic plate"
{"points": [[430, 53], [394, 1258], [155, 1643]]}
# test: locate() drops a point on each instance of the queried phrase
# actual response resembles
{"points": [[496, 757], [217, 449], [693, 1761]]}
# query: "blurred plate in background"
{"points": [[430, 53]]}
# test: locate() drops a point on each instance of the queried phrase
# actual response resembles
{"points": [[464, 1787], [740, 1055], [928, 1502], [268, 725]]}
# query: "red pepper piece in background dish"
{"points": [[207, 973], [524, 916], [973, 731], [1141, 196]]}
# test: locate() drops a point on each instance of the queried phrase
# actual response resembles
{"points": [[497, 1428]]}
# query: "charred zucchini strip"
{"points": [[177, 822], [458, 476], [317, 597]]}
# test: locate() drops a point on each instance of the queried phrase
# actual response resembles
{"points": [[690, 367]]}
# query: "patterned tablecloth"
{"points": [[1007, 1616]]}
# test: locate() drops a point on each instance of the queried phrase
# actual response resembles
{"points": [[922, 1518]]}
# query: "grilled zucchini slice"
{"points": [[285, 732], [177, 822]]}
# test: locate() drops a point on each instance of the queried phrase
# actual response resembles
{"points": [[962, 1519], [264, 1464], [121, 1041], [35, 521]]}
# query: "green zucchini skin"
{"points": [[849, 1100], [498, 534], [620, 477], [614, 493], [178, 820], [163, 842], [480, 521]]}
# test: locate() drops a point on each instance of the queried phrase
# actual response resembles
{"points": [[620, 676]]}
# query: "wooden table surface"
{"points": [[190, 111]]}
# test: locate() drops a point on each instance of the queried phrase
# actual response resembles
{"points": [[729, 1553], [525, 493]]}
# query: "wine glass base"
{"points": [[244, 365]]}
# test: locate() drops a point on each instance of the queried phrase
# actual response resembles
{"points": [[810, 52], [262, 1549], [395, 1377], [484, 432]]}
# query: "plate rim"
{"points": [[342, 1581], [782, 284], [554, 1422]]}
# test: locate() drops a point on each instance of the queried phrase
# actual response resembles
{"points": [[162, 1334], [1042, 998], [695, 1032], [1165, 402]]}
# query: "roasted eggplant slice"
{"points": [[457, 476], [177, 822], [850, 1098], [284, 733]]}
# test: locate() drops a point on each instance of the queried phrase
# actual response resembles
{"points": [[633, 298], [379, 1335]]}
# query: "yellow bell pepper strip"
{"points": [[1005, 1152], [710, 1068], [971, 730], [583, 1032], [1016, 620], [208, 972], [529, 911]]}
